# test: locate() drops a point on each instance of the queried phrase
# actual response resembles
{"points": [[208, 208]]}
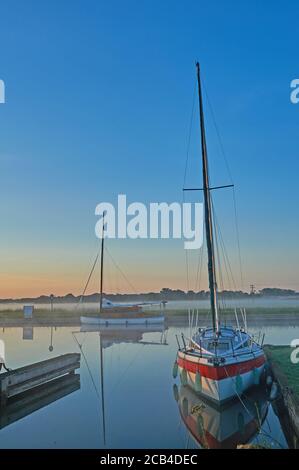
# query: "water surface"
{"points": [[141, 406]]}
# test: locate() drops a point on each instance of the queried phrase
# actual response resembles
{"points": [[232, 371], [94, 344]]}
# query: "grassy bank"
{"points": [[74, 313], [280, 356], [285, 373]]}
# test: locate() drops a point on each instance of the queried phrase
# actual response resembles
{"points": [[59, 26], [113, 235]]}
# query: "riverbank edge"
{"points": [[289, 400], [171, 319], [254, 320]]}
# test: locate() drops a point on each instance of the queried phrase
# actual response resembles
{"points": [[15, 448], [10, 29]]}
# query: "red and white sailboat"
{"points": [[221, 362]]}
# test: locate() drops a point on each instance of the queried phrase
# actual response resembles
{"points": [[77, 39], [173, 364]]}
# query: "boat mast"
{"points": [[102, 266], [208, 212]]}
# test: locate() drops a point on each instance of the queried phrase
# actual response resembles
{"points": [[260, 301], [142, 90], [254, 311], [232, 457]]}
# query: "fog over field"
{"points": [[249, 302]]}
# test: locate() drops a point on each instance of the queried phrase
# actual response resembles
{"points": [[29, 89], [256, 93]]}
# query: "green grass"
{"points": [[281, 356]]}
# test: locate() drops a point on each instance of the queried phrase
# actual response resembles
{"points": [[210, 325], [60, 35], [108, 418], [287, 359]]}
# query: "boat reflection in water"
{"points": [[113, 334], [213, 427]]}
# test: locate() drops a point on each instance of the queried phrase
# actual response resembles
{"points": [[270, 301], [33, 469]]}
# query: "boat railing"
{"points": [[195, 347]]}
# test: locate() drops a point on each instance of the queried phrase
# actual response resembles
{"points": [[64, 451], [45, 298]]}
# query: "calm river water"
{"points": [[134, 402]]}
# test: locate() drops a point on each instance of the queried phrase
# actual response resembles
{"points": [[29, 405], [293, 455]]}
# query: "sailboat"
{"points": [[116, 314], [220, 361]]}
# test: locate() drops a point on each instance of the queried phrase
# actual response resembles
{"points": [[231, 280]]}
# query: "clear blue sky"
{"points": [[98, 102]]}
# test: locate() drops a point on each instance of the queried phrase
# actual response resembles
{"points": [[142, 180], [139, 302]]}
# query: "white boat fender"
{"points": [[273, 391]]}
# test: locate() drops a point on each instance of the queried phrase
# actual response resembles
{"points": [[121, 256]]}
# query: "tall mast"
{"points": [[208, 212], [102, 266]]}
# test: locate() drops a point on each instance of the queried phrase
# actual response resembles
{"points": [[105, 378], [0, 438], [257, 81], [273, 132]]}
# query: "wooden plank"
{"points": [[33, 375], [13, 390]]}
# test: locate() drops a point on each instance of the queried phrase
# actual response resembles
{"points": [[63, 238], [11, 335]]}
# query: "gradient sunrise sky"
{"points": [[98, 102]]}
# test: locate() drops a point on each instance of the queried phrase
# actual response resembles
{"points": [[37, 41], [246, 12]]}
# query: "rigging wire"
{"points": [[238, 239], [225, 255], [80, 346], [189, 134], [221, 283], [185, 173], [121, 271], [93, 268], [234, 197], [231, 181], [187, 269], [218, 134], [199, 268], [89, 277], [124, 372]]}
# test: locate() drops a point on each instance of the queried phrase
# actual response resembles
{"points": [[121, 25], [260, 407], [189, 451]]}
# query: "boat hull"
{"points": [[124, 321], [220, 383]]}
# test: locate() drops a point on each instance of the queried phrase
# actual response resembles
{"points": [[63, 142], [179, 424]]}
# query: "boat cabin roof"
{"points": [[229, 340]]}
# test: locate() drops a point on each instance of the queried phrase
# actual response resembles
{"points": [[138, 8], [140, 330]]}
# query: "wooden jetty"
{"points": [[24, 404], [18, 381]]}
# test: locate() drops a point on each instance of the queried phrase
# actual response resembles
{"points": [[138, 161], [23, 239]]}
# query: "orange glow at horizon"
{"points": [[142, 271]]}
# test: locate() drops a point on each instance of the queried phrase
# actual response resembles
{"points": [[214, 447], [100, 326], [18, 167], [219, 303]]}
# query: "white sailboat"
{"points": [[121, 314], [221, 362]]}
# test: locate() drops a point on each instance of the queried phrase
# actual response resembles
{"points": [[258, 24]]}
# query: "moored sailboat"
{"points": [[118, 314], [221, 362]]}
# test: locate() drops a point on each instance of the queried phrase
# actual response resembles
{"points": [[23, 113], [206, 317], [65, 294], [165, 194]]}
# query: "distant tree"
{"points": [[274, 291]]}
